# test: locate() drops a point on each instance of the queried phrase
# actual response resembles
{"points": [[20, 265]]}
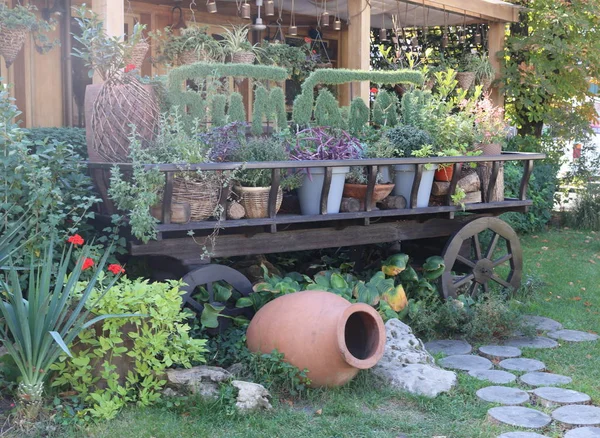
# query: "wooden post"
{"points": [[358, 46], [112, 14], [496, 36]]}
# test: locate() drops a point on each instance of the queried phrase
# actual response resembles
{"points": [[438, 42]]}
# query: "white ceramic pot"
{"points": [[404, 175], [309, 194]]}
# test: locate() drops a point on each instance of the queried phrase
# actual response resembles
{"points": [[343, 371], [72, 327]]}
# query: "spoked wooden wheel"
{"points": [[482, 255]]}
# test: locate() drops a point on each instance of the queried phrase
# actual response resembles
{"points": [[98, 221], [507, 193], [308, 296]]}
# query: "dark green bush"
{"points": [[407, 139], [73, 136], [586, 213]]}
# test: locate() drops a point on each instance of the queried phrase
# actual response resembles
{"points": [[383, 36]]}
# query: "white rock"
{"points": [[407, 366], [251, 396], [202, 380]]}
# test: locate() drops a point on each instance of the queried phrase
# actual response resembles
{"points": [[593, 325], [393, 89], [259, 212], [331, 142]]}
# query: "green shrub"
{"points": [[408, 139], [385, 109], [586, 213], [124, 360], [71, 136]]}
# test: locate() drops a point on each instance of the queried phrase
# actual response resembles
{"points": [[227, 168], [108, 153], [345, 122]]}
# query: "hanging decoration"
{"points": [[425, 22], [270, 8], [337, 23], [445, 31], [180, 24], [258, 24], [318, 46], [246, 11], [414, 42], [477, 38], [211, 6], [325, 15], [279, 36], [383, 31], [462, 37], [293, 29]]}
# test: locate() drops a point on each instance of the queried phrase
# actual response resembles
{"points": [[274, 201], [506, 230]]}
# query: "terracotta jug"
{"points": [[322, 332]]}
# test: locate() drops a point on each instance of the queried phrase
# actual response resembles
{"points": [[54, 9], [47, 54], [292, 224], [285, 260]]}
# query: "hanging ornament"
{"points": [[445, 40], [246, 11], [445, 32], [211, 6], [324, 15], [270, 8], [414, 42], [462, 39], [293, 29], [337, 23], [383, 31], [477, 38], [383, 35]]}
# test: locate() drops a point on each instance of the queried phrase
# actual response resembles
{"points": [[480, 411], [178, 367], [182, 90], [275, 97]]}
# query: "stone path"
{"points": [[572, 409]]}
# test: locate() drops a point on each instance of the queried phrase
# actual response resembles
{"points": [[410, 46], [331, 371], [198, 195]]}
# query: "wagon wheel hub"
{"points": [[483, 271]]}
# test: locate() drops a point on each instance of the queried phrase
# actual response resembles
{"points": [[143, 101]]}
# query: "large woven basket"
{"points": [[192, 56], [138, 54], [465, 79], [256, 200], [11, 42], [201, 194], [243, 58], [486, 84]]}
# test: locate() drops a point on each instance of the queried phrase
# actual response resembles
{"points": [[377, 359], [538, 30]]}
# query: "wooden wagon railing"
{"points": [[282, 232]]}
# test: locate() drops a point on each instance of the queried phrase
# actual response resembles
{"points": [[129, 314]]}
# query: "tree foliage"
{"points": [[551, 56]]}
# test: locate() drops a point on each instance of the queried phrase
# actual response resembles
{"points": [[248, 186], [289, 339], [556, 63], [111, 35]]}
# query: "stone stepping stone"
{"points": [[531, 342], [494, 376], [522, 435], [519, 416], [572, 336], [522, 364], [544, 379], [499, 352], [549, 396], [542, 323], [503, 395], [583, 432], [465, 362], [577, 415], [449, 347]]}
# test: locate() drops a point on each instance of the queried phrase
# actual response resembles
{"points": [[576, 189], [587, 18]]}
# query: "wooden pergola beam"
{"points": [[493, 12]]}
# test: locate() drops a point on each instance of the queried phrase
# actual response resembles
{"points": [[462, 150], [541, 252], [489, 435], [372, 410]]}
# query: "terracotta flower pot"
{"points": [[444, 173], [322, 332], [359, 191]]}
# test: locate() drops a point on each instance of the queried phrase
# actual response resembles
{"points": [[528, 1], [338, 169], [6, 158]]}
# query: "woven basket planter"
{"points": [[243, 58], [193, 56], [486, 84], [201, 194], [256, 200], [121, 102], [11, 42], [138, 54], [465, 79], [324, 65]]}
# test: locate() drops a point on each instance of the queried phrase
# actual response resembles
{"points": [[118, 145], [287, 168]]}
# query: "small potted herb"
{"points": [[411, 142], [323, 143], [254, 185], [235, 44]]}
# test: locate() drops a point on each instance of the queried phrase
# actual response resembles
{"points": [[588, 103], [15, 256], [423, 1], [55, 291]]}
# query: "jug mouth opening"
{"points": [[361, 336]]}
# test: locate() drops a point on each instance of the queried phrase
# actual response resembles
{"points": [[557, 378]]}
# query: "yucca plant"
{"points": [[12, 236], [40, 322]]}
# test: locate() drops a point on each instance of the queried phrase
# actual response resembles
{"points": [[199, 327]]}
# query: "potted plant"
{"points": [[193, 44], [410, 142], [254, 185], [137, 48], [323, 143], [356, 187], [380, 148], [490, 127], [445, 171], [15, 24], [465, 75], [483, 69], [236, 45]]}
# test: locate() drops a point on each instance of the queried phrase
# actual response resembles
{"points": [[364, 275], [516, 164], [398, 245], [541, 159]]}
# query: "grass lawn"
{"points": [[569, 264]]}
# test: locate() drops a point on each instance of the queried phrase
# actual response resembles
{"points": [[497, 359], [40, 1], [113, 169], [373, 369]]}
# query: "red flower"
{"points": [[374, 90], [87, 263], [129, 68], [115, 268], [75, 239], [307, 40]]}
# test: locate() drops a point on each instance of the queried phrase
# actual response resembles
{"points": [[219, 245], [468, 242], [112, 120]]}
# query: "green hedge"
{"points": [[73, 136]]}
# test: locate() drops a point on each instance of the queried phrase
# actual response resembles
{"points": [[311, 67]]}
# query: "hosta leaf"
{"points": [[210, 315], [222, 293], [409, 275], [338, 282], [244, 302], [366, 294], [395, 264], [434, 267], [396, 298]]}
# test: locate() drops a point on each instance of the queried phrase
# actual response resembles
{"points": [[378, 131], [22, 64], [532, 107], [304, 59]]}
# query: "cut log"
{"points": [[393, 203], [180, 212], [472, 198], [235, 210], [469, 183], [350, 205], [485, 172]]}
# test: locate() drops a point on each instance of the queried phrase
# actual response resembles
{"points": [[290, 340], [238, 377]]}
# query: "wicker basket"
{"points": [[489, 148], [138, 54], [324, 65], [243, 58], [201, 194], [486, 84], [193, 56], [11, 42], [256, 200], [465, 79]]}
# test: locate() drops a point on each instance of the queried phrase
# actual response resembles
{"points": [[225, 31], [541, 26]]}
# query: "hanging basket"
{"points": [[324, 65], [465, 79], [256, 200], [11, 42], [122, 101], [243, 58], [486, 83], [193, 56], [201, 193], [138, 54]]}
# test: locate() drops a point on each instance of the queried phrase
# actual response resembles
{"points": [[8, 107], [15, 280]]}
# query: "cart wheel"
{"points": [[207, 275], [483, 252]]}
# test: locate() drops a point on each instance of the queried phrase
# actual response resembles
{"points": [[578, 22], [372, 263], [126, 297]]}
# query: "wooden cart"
{"points": [[475, 268]]}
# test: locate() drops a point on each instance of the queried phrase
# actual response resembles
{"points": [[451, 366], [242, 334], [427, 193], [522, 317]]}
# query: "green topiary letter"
{"points": [[236, 111], [327, 112], [277, 104], [217, 109], [385, 109], [359, 115]]}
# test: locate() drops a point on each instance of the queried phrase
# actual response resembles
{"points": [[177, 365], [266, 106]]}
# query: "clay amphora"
{"points": [[322, 332]]}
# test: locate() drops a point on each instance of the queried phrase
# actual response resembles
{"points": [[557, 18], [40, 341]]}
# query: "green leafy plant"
{"points": [[67, 135], [124, 360], [24, 17], [40, 323], [191, 39], [235, 40], [459, 196], [407, 140], [272, 371], [482, 67], [385, 109]]}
